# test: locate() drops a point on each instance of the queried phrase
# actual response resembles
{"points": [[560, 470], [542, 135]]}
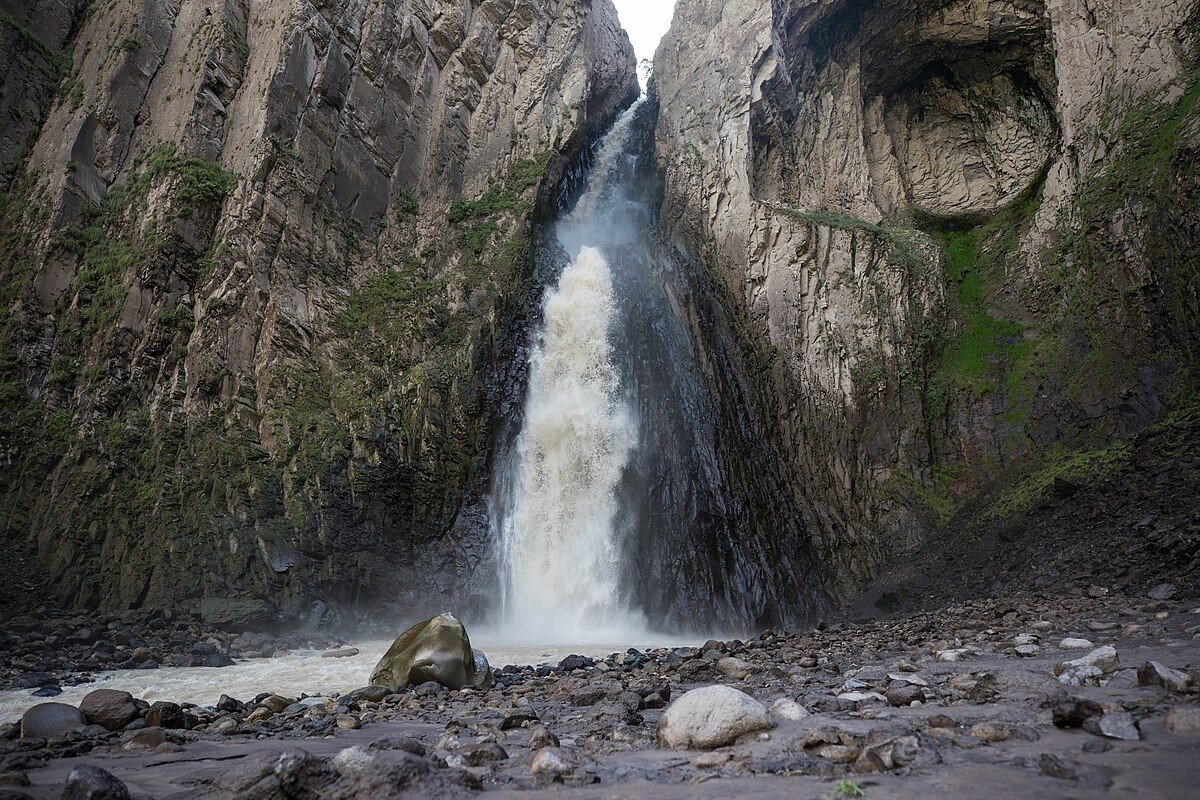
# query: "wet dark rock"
{"points": [[110, 708], [227, 703], [51, 721], [1073, 712], [165, 714], [573, 662], [370, 694], [87, 782], [518, 719]]}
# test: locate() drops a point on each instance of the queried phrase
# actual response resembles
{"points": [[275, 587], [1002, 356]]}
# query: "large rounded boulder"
{"points": [[437, 649], [51, 721], [711, 716]]}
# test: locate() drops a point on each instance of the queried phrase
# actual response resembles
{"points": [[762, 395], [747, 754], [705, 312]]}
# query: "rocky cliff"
{"points": [[266, 270], [961, 236]]}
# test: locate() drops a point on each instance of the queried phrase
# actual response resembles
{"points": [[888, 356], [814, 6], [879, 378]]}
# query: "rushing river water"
{"points": [[292, 674]]}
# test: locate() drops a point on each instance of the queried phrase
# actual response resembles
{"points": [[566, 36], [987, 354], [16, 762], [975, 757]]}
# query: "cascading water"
{"points": [[560, 549], [637, 493]]}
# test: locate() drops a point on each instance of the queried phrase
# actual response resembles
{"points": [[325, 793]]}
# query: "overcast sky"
{"points": [[646, 21]]}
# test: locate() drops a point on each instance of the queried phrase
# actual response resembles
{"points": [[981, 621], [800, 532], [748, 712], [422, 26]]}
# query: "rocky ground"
{"points": [[1034, 695]]}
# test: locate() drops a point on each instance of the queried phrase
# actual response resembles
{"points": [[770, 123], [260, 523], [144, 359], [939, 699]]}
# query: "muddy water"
{"points": [[290, 675]]}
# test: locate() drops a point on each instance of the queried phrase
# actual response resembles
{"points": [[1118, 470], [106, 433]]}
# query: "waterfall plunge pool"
{"points": [[294, 674]]}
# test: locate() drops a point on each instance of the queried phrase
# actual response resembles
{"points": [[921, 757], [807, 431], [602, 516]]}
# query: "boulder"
{"points": [[51, 721], [1153, 673], [164, 714], [552, 762], [109, 708], [711, 716], [438, 650], [87, 782]]}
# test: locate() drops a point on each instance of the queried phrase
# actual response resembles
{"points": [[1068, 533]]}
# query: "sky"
{"points": [[646, 21]]}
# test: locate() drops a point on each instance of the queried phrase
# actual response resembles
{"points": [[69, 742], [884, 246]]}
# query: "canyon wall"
{"points": [[267, 268], [960, 237]]}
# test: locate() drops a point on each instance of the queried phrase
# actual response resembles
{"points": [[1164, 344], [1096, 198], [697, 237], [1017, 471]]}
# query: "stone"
{"points": [[787, 709], [369, 694], [1182, 719], [1153, 673], [276, 703], [110, 708], [144, 739], [87, 782], [164, 714], [711, 760], [1119, 725], [1073, 712], [1163, 591], [1075, 644], [710, 717], [344, 652], [736, 668], [904, 694], [1027, 650], [1089, 667], [990, 732], [552, 762], [438, 650], [51, 721], [347, 722], [574, 662], [540, 736]]}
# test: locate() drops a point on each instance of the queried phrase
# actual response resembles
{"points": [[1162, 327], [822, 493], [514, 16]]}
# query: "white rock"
{"points": [[711, 716], [1075, 644], [907, 677], [552, 761], [1027, 650], [862, 697], [1103, 658], [788, 709]]}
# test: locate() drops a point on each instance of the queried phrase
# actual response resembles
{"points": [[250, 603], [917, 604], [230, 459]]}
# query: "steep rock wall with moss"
{"points": [[266, 270], [960, 236]]}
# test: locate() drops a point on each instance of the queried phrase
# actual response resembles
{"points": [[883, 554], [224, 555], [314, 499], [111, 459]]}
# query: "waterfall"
{"points": [[560, 549], [637, 494]]}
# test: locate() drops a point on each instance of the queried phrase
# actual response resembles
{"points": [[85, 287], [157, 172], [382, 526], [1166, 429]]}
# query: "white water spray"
{"points": [[559, 544]]}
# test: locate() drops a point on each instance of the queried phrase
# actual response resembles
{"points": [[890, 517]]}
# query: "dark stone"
{"points": [[49, 690], [227, 703], [1073, 712], [573, 662], [87, 782], [110, 708], [370, 694], [518, 719], [51, 721]]}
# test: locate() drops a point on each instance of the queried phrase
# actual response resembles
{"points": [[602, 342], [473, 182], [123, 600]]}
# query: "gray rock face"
{"points": [[273, 294], [820, 160], [51, 721], [438, 650], [711, 716]]}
